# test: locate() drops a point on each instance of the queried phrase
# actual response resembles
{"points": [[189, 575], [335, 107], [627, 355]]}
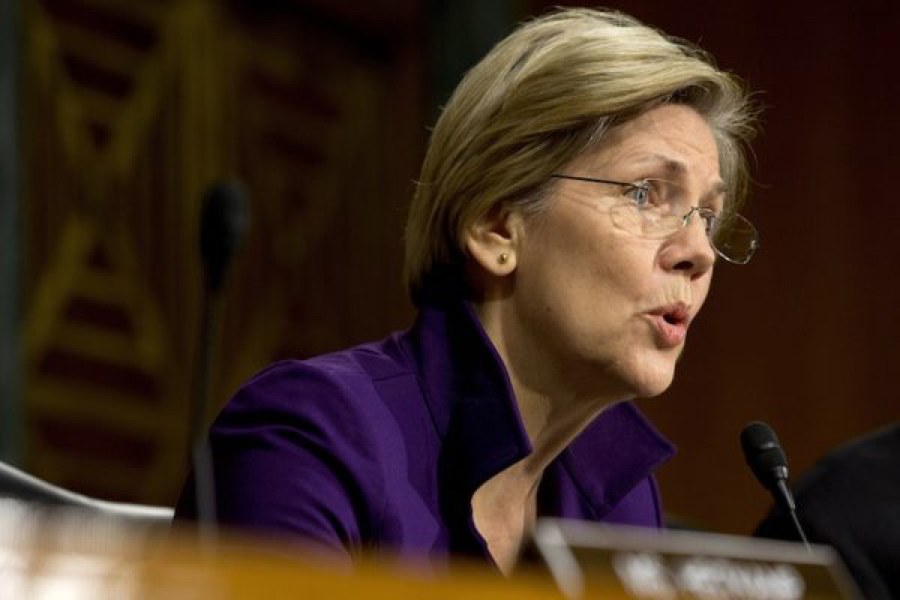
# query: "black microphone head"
{"points": [[224, 221], [763, 454]]}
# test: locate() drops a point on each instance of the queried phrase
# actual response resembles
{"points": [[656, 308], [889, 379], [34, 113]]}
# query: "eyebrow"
{"points": [[680, 169]]}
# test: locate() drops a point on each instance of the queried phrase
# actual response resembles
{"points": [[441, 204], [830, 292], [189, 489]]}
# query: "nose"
{"points": [[689, 249]]}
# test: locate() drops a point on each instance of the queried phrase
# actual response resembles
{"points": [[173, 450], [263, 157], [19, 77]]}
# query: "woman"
{"points": [[576, 191]]}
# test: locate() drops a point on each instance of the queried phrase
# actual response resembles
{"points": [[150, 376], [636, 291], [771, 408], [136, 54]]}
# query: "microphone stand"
{"points": [[224, 221], [201, 456]]}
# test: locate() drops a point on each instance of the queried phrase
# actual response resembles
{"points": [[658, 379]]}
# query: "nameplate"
{"points": [[591, 560]]}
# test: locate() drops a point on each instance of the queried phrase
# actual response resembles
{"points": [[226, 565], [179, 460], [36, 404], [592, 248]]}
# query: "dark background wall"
{"points": [[132, 109]]}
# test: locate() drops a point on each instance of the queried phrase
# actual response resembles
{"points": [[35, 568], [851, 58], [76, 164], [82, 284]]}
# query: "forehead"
{"points": [[672, 139]]}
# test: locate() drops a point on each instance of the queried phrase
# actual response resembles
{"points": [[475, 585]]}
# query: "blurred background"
{"points": [[117, 115]]}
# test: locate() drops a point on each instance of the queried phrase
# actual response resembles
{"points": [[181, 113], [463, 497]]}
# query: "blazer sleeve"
{"points": [[293, 453]]}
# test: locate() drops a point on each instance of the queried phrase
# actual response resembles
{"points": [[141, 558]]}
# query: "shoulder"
{"points": [[356, 406], [341, 386], [859, 475], [309, 446]]}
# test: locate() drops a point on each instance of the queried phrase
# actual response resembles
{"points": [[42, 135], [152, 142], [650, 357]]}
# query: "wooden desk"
{"points": [[55, 555]]}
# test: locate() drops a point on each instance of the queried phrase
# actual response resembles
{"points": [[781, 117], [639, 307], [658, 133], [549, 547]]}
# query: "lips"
{"points": [[671, 324]]}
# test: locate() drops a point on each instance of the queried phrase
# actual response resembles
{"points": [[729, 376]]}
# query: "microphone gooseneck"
{"points": [[767, 460]]}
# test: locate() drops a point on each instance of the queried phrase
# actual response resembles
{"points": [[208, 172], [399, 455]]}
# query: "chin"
{"points": [[648, 383], [650, 391]]}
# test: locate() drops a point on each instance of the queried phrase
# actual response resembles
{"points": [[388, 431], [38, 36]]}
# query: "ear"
{"points": [[493, 240]]}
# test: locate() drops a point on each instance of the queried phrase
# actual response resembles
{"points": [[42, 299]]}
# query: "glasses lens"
{"points": [[735, 238], [650, 222], [660, 214]]}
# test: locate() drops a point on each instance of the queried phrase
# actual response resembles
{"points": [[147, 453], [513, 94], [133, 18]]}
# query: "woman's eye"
{"points": [[640, 193]]}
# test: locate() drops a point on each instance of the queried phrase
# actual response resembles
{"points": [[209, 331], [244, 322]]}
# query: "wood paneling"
{"points": [[132, 110]]}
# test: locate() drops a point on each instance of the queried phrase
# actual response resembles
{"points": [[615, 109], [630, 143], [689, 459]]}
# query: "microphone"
{"points": [[766, 459], [224, 221]]}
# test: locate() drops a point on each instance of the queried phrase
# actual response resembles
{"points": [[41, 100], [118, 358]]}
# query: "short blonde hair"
{"points": [[540, 98]]}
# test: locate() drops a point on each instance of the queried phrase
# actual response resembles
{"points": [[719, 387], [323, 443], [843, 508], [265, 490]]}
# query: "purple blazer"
{"points": [[381, 447]]}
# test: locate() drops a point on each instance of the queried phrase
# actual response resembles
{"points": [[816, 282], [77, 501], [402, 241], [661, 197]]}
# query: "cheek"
{"points": [[554, 248], [576, 257], [628, 266]]}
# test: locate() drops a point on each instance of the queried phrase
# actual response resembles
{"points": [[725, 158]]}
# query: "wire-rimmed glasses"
{"points": [[656, 208]]}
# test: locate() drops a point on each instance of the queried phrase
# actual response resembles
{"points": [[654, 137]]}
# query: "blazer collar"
{"points": [[472, 404]]}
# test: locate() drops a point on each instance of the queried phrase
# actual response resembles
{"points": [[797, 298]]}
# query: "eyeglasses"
{"points": [[656, 208]]}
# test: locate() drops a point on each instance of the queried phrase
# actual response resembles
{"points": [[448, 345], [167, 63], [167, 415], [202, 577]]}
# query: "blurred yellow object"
{"points": [[65, 555]]}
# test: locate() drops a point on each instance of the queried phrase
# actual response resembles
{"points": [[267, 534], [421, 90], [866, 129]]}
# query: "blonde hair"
{"points": [[541, 97]]}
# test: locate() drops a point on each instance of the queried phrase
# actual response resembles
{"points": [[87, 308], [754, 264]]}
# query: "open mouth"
{"points": [[673, 315], [671, 326], [673, 318]]}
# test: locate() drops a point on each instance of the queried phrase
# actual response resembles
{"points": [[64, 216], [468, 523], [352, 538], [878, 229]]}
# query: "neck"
{"points": [[552, 421], [555, 404]]}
